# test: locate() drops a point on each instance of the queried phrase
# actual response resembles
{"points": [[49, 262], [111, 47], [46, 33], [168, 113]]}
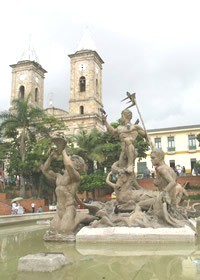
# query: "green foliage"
{"points": [[89, 147], [110, 149], [141, 146], [47, 189], [26, 132], [190, 187], [4, 150], [197, 165], [91, 181], [194, 197]]}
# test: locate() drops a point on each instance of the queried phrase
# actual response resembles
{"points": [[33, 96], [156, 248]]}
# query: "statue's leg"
{"points": [[135, 186], [130, 152], [56, 222], [68, 220], [172, 194], [146, 204], [122, 156]]}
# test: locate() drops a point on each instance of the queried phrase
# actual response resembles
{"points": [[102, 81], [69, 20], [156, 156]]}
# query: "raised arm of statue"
{"points": [[45, 168], [109, 128], [108, 182], [70, 166]]}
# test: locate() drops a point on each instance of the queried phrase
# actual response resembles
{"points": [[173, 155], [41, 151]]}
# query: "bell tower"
{"points": [[28, 79], [86, 81]]}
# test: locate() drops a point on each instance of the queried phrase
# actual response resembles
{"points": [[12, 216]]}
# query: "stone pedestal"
{"points": [[135, 235], [42, 262]]}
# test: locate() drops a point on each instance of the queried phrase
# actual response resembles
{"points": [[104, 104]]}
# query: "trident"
{"points": [[132, 99]]}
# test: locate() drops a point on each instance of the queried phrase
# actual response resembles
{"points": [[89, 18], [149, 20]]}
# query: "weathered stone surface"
{"points": [[54, 236], [42, 262], [136, 249], [135, 235]]}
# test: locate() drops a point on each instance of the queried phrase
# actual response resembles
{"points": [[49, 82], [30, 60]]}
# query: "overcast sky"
{"points": [[149, 47]]}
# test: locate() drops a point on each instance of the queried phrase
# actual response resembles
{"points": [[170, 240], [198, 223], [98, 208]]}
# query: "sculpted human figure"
{"points": [[126, 197], [120, 168], [66, 187], [166, 179], [127, 133], [181, 194]]}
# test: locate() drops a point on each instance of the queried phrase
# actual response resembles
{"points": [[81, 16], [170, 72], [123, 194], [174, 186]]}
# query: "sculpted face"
{"points": [[126, 115], [79, 163], [157, 156], [154, 159]]}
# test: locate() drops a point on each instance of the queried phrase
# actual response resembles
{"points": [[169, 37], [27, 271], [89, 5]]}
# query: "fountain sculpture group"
{"points": [[133, 206]]}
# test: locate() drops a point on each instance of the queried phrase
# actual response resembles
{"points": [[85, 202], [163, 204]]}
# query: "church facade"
{"points": [[85, 99]]}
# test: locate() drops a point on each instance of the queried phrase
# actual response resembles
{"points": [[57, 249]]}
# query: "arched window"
{"points": [[81, 110], [97, 84], [82, 83], [36, 95], [21, 92]]}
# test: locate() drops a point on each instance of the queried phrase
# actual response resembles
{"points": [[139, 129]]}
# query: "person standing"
{"points": [[14, 208], [33, 207], [40, 210]]}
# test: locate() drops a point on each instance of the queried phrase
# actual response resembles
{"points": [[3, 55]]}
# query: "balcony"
{"points": [[192, 149], [171, 150]]}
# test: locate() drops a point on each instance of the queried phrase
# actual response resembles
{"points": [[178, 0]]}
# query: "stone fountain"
{"points": [[136, 215]]}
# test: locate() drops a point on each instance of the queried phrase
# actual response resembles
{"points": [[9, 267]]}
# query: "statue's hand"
{"points": [[54, 154], [165, 197], [104, 118]]}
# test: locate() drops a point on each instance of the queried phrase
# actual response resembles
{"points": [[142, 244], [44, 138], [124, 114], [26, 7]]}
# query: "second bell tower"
{"points": [[85, 79]]}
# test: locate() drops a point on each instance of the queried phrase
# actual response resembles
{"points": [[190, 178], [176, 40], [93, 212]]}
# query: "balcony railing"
{"points": [[171, 149], [194, 147]]}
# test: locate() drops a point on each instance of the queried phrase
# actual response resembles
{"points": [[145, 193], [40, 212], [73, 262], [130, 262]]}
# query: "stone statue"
{"points": [[127, 197], [168, 206], [166, 178], [181, 194], [133, 206], [145, 208], [65, 221], [127, 132]]}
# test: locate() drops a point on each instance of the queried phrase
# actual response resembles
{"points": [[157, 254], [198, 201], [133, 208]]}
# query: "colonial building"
{"points": [[85, 100], [179, 144]]}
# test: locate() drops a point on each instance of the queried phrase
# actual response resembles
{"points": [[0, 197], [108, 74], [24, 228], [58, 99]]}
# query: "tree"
{"points": [[22, 127], [197, 167], [89, 147], [110, 149], [91, 182]]}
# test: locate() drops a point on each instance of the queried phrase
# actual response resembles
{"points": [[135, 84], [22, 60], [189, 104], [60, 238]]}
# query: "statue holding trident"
{"points": [[127, 132]]}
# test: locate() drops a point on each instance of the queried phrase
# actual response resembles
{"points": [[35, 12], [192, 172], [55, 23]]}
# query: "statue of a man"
{"points": [[66, 187], [126, 197], [127, 133], [166, 179]]}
